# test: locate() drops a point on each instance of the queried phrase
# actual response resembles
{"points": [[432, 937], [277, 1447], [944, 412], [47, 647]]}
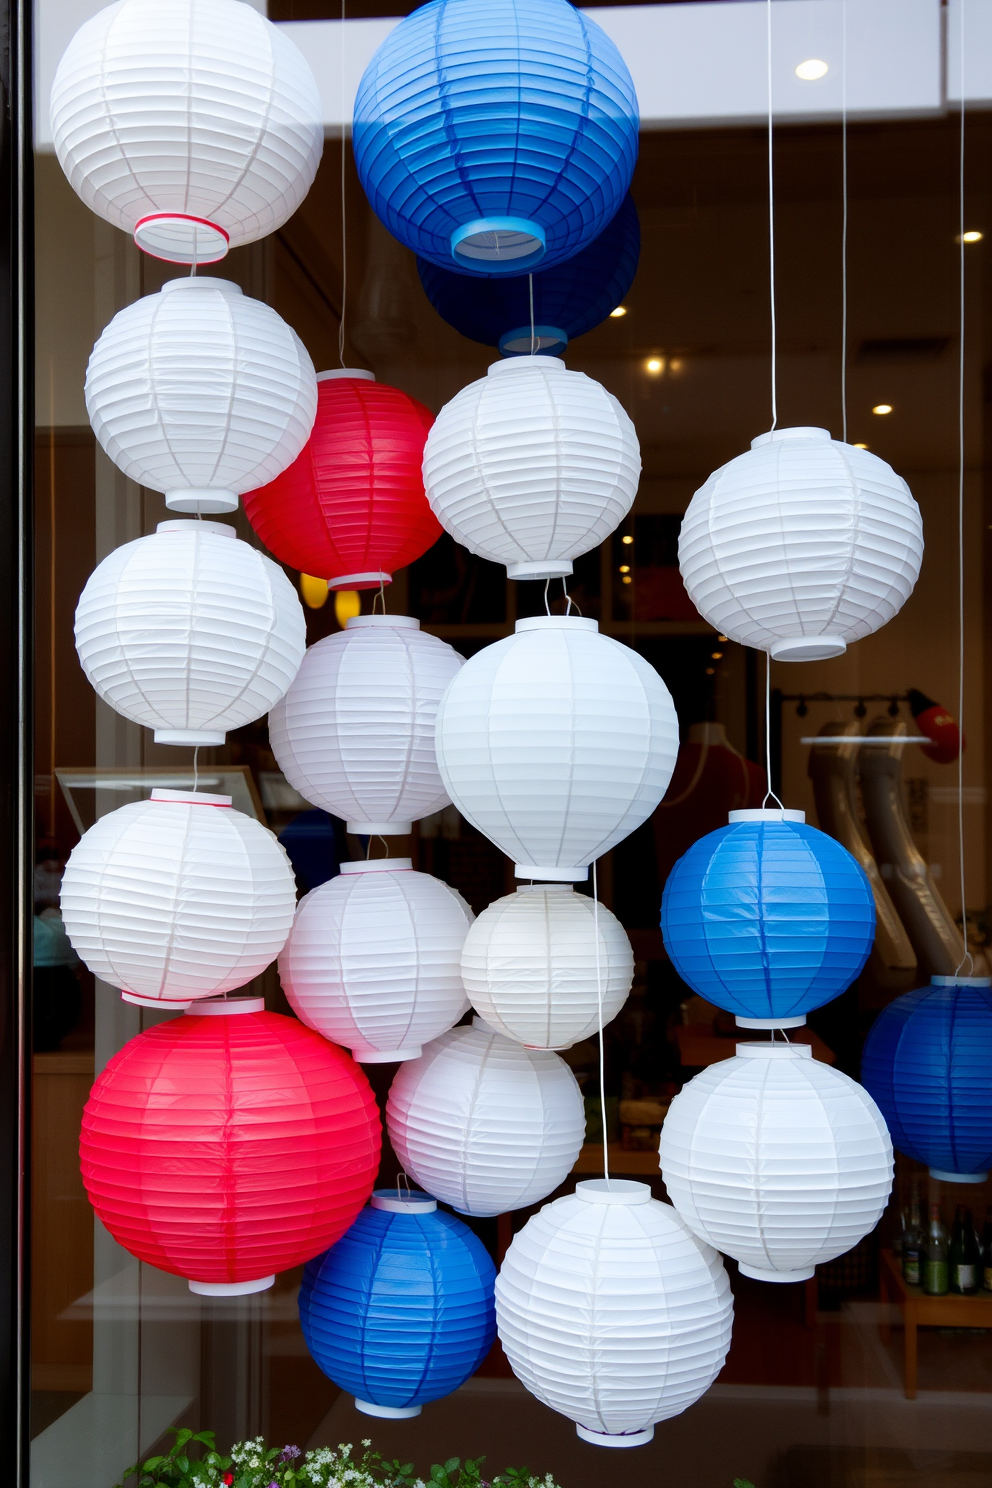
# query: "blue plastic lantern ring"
{"points": [[495, 135], [768, 918], [401, 1309], [927, 1064], [569, 299]]}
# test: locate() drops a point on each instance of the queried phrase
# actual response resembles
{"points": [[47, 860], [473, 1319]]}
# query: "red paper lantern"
{"points": [[933, 720], [351, 508], [229, 1144]]}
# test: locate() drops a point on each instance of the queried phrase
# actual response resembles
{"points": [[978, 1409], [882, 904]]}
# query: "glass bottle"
{"points": [[963, 1257], [936, 1246], [912, 1240], [987, 1251]]}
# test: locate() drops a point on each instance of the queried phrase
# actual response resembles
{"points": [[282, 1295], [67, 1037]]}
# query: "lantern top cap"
{"points": [[613, 1191], [336, 372], [200, 282], [557, 622], [774, 1050], [961, 981], [403, 1201], [545, 888], [802, 432], [543, 364], [379, 865], [230, 1007], [190, 524], [765, 814], [190, 797], [383, 622]]}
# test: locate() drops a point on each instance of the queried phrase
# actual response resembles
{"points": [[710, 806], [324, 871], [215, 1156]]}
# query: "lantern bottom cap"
{"points": [[190, 738], [387, 1056], [177, 237], [540, 568], [498, 245], [762, 1273], [807, 648], [552, 875], [368, 580], [770, 1022], [543, 340], [948, 1177], [203, 499], [615, 1439], [379, 829], [387, 1412], [231, 1288], [156, 1002]]}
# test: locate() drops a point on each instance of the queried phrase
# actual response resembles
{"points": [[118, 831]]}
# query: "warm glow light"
{"points": [[627, 541], [314, 591], [627, 579], [811, 70], [675, 365], [655, 365], [716, 656], [860, 446], [723, 638], [710, 671], [625, 568], [971, 236], [618, 313], [347, 604], [882, 408]]}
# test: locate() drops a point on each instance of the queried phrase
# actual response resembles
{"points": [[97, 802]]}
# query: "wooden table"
{"points": [[699, 1046], [921, 1311]]}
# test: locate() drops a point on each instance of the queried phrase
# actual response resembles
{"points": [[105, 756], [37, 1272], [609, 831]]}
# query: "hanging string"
{"points": [[547, 606], [196, 768], [533, 337], [344, 235], [967, 959], [771, 216], [602, 1044], [769, 793], [380, 598], [843, 230]]}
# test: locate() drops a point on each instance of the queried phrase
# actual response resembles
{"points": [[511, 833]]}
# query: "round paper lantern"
{"points": [[777, 1160], [351, 508], [229, 1144], [611, 1312], [801, 546], [189, 632], [768, 918], [355, 731], [569, 299], [531, 466], [196, 125], [484, 1124], [372, 960], [927, 1061], [556, 743], [177, 898], [529, 966], [495, 135], [400, 1311], [201, 393]]}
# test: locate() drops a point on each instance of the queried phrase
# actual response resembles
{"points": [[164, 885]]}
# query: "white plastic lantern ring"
{"points": [[532, 466], [801, 546], [372, 961], [193, 124], [190, 632], [201, 393]]}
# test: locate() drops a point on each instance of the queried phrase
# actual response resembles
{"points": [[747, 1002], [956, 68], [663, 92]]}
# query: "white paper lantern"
{"points": [[801, 546], [529, 966], [532, 466], [556, 743], [777, 1160], [190, 632], [355, 732], [611, 1312], [200, 392], [193, 124], [177, 898], [372, 961], [484, 1124]]}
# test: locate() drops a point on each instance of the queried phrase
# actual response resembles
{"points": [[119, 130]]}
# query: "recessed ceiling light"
{"points": [[882, 408], [812, 69], [625, 568], [971, 236], [627, 541], [618, 313], [655, 365]]}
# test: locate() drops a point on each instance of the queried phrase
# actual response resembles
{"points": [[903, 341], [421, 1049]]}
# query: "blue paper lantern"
{"points": [[401, 1309], [494, 135], [927, 1064], [768, 918], [569, 299]]}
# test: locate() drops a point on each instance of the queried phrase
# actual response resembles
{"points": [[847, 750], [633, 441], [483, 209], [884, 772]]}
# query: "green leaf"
{"points": [[153, 1463], [743, 1483]]}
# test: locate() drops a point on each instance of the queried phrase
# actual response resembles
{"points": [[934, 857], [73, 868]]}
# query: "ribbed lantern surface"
{"points": [[532, 466], [190, 632], [355, 732], [529, 965], [484, 1124], [194, 124], [801, 546], [200, 392], [229, 1144], [611, 1312], [556, 743], [177, 898], [777, 1160], [373, 959]]}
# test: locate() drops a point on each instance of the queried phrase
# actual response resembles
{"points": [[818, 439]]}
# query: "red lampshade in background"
{"points": [[351, 508], [933, 720], [229, 1144]]}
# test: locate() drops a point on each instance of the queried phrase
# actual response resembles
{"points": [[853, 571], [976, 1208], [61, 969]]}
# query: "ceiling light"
{"points": [[971, 236], [860, 446], [710, 671], [625, 568], [627, 541], [812, 69], [627, 579], [655, 365], [723, 638], [882, 408], [716, 656], [618, 313], [675, 365]]}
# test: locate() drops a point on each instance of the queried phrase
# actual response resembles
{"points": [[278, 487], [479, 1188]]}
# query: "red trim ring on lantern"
{"points": [[186, 229]]}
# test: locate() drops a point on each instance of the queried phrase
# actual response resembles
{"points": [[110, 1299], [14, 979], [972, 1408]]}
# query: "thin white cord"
{"points": [[967, 958], [602, 1046], [769, 793], [533, 337], [843, 236], [344, 235], [771, 218], [196, 768]]}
